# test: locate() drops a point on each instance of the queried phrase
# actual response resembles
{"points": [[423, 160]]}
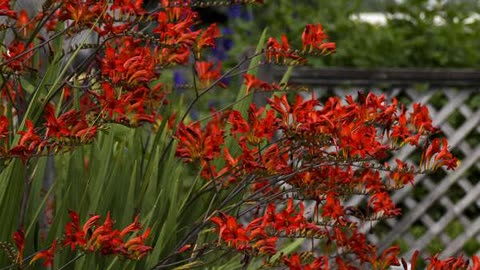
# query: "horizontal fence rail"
{"points": [[379, 77]]}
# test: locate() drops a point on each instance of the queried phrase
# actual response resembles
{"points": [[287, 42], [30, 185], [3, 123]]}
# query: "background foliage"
{"points": [[417, 33]]}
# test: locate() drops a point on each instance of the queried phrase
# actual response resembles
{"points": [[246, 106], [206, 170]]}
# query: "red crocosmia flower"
{"points": [[195, 144], [73, 235], [111, 104], [3, 134], [383, 204], [55, 127], [207, 38], [447, 264], [104, 238], [128, 63], [359, 141], [445, 158], [180, 32], [294, 262], [103, 235], [230, 231], [388, 258], [432, 149], [285, 45], [168, 56], [288, 221], [207, 73], [256, 129], [420, 119], [239, 125], [133, 227], [273, 50], [131, 7], [400, 131], [320, 263], [29, 136], [111, 64], [313, 37], [28, 144], [281, 105], [230, 163], [332, 207], [276, 51], [110, 26], [76, 236], [136, 248], [328, 47], [46, 255], [90, 223], [301, 116], [402, 175], [253, 83], [260, 128], [184, 248], [139, 68], [343, 265], [475, 263], [15, 56], [19, 238], [51, 24], [81, 12], [23, 22], [174, 8], [84, 132], [189, 146], [274, 162], [5, 9], [266, 246]]}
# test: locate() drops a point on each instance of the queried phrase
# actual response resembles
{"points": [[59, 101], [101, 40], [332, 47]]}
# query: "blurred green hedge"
{"points": [[411, 38]]}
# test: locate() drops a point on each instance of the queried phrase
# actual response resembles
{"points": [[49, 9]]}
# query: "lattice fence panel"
{"points": [[442, 211]]}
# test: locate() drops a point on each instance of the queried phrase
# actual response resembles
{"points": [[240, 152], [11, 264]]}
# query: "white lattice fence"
{"points": [[442, 211]]}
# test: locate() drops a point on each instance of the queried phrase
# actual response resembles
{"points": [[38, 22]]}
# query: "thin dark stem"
{"points": [[71, 261]]}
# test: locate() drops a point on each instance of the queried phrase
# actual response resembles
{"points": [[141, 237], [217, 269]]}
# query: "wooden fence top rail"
{"points": [[335, 76]]}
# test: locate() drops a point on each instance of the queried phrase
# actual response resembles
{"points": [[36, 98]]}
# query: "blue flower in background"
{"points": [[179, 80], [213, 104], [234, 11], [226, 80], [246, 16], [194, 114], [226, 31], [227, 44], [219, 52], [223, 44], [237, 11]]}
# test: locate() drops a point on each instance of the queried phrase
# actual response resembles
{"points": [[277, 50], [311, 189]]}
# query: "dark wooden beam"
{"points": [[387, 77]]}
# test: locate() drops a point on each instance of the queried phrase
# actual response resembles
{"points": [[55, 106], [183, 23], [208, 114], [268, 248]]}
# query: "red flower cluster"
{"points": [[323, 153], [313, 37], [313, 43], [260, 236], [253, 82], [124, 89], [301, 149], [104, 238], [92, 237]]}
